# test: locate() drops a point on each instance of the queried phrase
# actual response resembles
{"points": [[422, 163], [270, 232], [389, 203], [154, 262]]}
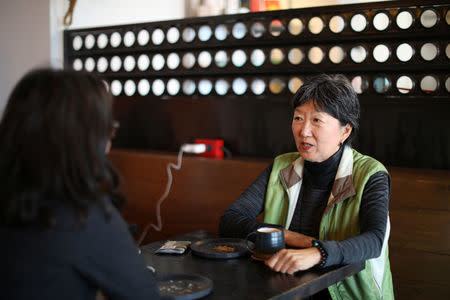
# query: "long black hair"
{"points": [[53, 136]]}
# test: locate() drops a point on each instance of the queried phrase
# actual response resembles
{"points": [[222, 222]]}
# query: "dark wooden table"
{"points": [[244, 278]]}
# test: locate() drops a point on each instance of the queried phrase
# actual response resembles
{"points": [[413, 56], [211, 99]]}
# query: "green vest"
{"points": [[340, 219]]}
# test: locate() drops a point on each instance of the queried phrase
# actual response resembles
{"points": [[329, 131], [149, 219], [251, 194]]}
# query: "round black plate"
{"points": [[207, 248], [183, 286]]}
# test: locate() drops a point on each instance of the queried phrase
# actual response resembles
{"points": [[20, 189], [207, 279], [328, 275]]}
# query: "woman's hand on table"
{"points": [[298, 240], [293, 260]]}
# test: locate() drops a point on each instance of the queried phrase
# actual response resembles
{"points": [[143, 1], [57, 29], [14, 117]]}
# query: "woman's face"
{"points": [[317, 134]]}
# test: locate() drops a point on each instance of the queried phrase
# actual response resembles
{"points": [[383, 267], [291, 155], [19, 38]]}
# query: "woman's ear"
{"points": [[346, 131]]}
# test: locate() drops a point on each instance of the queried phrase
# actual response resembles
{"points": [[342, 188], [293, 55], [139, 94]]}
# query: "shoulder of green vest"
{"points": [[366, 163], [286, 158]]}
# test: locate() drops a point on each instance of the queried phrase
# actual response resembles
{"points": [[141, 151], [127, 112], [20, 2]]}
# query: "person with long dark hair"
{"points": [[62, 234]]}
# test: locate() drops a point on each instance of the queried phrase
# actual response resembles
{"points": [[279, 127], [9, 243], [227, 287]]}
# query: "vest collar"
{"points": [[343, 187], [292, 177], [293, 174]]}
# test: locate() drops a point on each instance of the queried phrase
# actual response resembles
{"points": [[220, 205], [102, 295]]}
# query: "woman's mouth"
{"points": [[305, 146]]}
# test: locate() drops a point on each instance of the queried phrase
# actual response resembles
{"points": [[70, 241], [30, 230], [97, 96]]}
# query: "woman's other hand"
{"points": [[293, 260], [298, 240]]}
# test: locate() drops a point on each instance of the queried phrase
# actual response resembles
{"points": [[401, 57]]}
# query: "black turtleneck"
{"points": [[322, 174], [318, 178]]}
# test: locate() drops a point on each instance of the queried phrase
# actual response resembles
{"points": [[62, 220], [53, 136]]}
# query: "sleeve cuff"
{"points": [[334, 253]]}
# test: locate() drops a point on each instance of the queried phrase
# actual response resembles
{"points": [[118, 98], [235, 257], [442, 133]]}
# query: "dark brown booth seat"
{"points": [[420, 233], [204, 188]]}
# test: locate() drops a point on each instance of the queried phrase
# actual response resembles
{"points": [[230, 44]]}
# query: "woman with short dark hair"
{"points": [[331, 200], [63, 237]]}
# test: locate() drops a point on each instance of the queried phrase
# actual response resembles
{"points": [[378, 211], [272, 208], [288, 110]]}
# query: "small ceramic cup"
{"points": [[268, 241]]}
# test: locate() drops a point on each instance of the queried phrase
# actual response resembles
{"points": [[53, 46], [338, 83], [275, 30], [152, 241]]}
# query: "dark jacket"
{"points": [[71, 261]]}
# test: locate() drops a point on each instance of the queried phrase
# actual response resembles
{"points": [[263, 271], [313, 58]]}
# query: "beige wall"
{"points": [[25, 41], [94, 13]]}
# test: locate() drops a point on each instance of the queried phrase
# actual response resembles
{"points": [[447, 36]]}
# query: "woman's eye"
{"points": [[297, 118], [317, 120]]}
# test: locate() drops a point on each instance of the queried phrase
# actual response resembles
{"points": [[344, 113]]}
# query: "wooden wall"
{"points": [[204, 188], [201, 191], [419, 242]]}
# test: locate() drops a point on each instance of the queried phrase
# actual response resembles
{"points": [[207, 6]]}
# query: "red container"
{"points": [[215, 150]]}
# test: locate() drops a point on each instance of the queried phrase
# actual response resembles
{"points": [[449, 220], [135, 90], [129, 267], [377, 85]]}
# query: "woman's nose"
{"points": [[305, 130]]}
